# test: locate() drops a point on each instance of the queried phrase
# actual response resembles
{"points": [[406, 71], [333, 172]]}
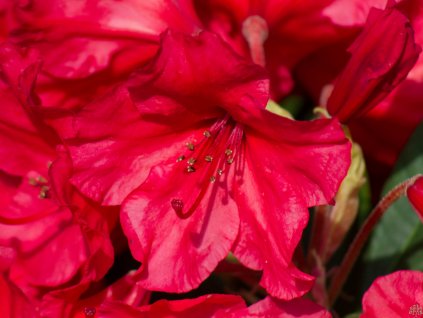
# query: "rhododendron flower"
{"points": [[402, 109], [35, 228], [41, 212], [215, 306], [212, 170], [381, 58], [89, 46], [415, 196], [283, 31], [397, 295]]}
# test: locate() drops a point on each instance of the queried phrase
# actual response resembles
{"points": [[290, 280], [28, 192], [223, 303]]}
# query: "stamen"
{"points": [[42, 183], [190, 169], [44, 192], [190, 146], [228, 152], [32, 181], [180, 158], [219, 148]]}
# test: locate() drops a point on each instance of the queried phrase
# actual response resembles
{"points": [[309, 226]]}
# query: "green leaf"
{"points": [[397, 241]]}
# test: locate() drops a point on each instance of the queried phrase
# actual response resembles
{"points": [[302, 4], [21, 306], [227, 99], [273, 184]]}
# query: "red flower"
{"points": [[34, 228], [381, 58], [89, 46], [41, 212], [415, 195], [212, 170], [397, 295], [289, 32], [402, 110]]}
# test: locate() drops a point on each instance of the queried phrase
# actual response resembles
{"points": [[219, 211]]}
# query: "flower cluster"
{"points": [[144, 152]]}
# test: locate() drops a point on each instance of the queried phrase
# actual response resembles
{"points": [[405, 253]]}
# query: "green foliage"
{"points": [[397, 241]]}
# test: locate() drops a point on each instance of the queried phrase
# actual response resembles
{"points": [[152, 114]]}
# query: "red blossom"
{"points": [[41, 212], [89, 46], [181, 108], [381, 58], [293, 32], [397, 295]]}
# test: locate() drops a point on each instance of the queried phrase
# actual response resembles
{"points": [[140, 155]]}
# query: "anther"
{"points": [[230, 160], [190, 146], [41, 180], [190, 169], [212, 179], [191, 161], [44, 192], [208, 158], [207, 134], [228, 152], [219, 172], [180, 158]]}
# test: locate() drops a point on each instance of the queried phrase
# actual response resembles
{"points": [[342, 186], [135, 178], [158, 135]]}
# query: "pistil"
{"points": [[255, 32]]}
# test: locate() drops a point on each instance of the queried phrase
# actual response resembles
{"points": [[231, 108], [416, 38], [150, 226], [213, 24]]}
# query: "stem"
{"points": [[355, 248]]}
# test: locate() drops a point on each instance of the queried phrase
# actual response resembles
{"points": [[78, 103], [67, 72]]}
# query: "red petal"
{"points": [[399, 294], [22, 146], [13, 303], [381, 58], [191, 247], [226, 81], [299, 164], [351, 12], [415, 195], [271, 307], [78, 39]]}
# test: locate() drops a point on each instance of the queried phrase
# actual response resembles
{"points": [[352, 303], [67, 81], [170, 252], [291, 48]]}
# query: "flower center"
{"points": [[255, 32], [209, 159]]}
